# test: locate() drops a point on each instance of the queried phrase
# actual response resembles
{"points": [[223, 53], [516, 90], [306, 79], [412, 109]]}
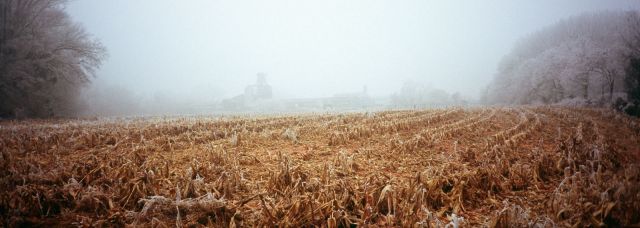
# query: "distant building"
{"points": [[252, 95], [349, 100], [259, 97], [260, 90]]}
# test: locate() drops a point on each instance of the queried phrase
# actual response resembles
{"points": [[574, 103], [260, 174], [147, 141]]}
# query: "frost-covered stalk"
{"points": [[291, 135]]}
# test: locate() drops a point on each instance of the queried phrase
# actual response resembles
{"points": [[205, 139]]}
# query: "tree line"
{"points": [[45, 59], [590, 59]]}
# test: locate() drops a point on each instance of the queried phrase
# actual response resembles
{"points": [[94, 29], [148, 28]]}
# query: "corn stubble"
{"points": [[497, 167]]}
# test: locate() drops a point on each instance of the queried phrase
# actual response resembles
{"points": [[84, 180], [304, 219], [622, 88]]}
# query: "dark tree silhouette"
{"points": [[45, 59]]}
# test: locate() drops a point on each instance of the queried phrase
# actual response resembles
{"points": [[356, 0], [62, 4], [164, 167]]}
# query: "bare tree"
{"points": [[569, 59], [631, 36], [44, 58]]}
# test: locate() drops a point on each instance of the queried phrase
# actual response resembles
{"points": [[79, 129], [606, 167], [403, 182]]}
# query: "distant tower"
{"points": [[261, 90]]}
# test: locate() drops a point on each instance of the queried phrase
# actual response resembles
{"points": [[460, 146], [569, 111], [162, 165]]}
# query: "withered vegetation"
{"points": [[500, 167]]}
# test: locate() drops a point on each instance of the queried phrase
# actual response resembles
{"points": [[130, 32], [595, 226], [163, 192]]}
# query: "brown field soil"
{"points": [[502, 167]]}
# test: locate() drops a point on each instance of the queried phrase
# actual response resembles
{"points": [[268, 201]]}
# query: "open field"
{"points": [[518, 166]]}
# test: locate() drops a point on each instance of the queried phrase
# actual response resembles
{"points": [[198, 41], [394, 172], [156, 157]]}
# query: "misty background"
{"points": [[75, 58], [204, 51]]}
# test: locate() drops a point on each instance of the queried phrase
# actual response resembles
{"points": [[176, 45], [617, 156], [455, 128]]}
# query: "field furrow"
{"points": [[518, 166]]}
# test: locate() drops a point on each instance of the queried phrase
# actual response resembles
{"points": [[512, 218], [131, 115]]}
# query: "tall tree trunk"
{"points": [[612, 83], [585, 88]]}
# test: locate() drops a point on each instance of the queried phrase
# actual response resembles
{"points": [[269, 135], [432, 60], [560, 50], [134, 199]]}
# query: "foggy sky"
{"points": [[201, 48]]}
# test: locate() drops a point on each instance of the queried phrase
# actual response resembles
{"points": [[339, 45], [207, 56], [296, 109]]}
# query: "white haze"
{"points": [[201, 50]]}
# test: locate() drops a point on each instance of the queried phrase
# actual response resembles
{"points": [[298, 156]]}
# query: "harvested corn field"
{"points": [[504, 167]]}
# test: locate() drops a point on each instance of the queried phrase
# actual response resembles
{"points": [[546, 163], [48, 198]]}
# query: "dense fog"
{"points": [[186, 57]]}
